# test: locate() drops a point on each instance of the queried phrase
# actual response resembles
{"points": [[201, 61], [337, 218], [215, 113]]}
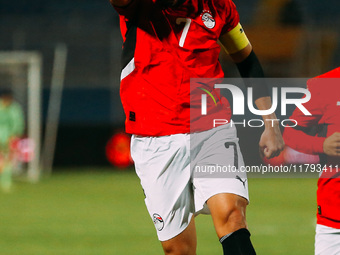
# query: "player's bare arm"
{"points": [[331, 145], [120, 3], [237, 45]]}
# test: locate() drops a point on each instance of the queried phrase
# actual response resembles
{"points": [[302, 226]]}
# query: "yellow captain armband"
{"points": [[234, 40]]}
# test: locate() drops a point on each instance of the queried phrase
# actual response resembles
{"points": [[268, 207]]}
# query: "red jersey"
{"points": [[325, 109], [163, 49]]}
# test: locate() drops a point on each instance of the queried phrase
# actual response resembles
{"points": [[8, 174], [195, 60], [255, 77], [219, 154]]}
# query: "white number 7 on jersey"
{"points": [[185, 29]]}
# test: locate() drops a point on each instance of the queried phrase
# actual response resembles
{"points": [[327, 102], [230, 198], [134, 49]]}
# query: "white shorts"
{"points": [[327, 240], [167, 168]]}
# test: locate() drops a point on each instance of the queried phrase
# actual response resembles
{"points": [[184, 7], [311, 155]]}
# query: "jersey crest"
{"points": [[208, 19]]}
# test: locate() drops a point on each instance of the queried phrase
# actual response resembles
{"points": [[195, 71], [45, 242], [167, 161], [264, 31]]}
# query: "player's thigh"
{"points": [[163, 166], [327, 240]]}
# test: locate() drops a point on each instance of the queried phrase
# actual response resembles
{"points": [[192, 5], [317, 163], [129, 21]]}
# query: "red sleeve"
{"points": [[299, 140], [315, 106], [232, 17]]}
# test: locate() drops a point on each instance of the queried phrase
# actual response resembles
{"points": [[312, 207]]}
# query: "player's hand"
{"points": [[331, 145], [271, 142]]}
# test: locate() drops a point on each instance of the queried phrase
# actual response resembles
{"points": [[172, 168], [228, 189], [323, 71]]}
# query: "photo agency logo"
{"points": [[240, 101]]}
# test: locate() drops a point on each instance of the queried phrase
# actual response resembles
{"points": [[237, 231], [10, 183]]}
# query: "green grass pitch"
{"points": [[102, 212]]}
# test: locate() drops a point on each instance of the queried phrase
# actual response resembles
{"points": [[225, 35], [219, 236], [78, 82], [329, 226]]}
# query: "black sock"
{"points": [[237, 243]]}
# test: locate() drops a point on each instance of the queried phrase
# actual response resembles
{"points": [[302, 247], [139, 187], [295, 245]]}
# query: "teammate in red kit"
{"points": [[167, 42], [320, 134]]}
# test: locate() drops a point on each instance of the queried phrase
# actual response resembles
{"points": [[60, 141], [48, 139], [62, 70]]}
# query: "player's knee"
{"points": [[235, 218], [179, 249], [231, 219], [235, 210]]}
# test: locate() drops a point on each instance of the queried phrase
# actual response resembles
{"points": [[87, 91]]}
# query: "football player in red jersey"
{"points": [[319, 134], [167, 42]]}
